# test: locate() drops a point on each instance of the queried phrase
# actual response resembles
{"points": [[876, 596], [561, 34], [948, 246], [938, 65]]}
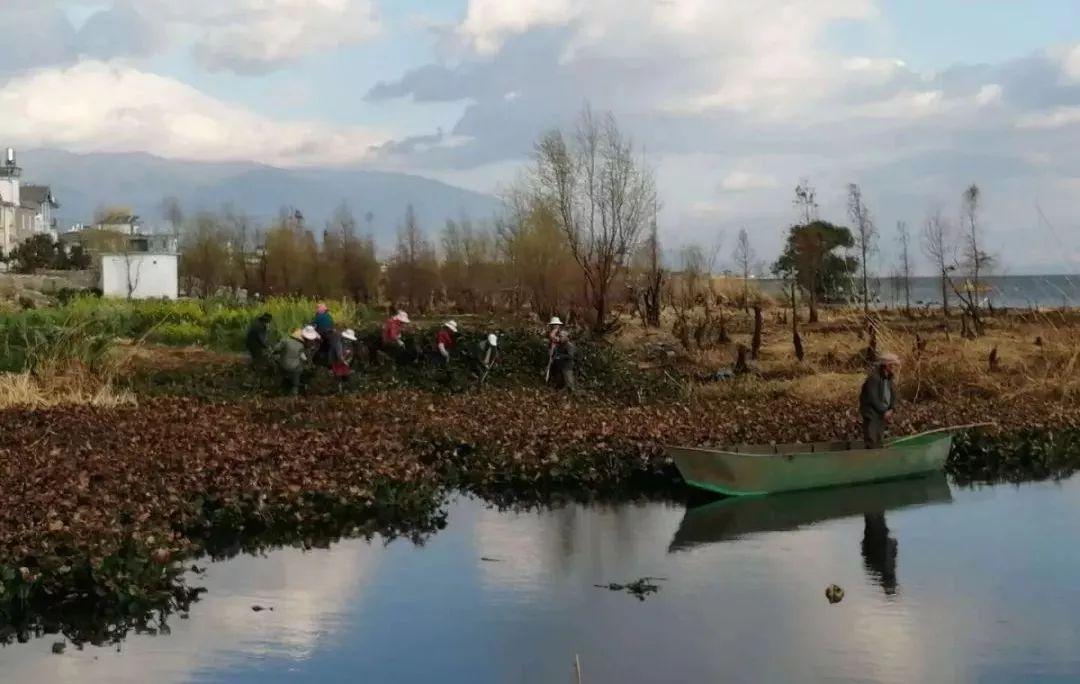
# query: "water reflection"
{"points": [[731, 519], [503, 596], [879, 552]]}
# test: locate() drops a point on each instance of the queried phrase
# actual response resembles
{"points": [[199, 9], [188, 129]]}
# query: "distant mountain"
{"points": [[84, 182]]}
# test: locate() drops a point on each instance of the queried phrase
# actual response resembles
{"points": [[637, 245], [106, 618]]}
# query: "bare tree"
{"points": [[603, 197], [744, 261], [903, 242], [865, 239], [938, 247], [132, 275], [173, 212], [806, 202], [975, 260], [654, 277]]}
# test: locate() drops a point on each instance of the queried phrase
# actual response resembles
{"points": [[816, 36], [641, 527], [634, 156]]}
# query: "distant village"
{"points": [[126, 260]]}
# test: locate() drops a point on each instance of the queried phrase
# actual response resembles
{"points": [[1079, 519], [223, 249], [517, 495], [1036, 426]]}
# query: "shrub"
{"points": [[180, 333]]}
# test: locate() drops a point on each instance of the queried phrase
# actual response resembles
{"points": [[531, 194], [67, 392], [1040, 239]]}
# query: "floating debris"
{"points": [[835, 593], [257, 608], [639, 588], [490, 560]]}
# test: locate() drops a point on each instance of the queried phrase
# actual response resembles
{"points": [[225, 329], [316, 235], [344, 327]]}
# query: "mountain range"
{"points": [[82, 183]]}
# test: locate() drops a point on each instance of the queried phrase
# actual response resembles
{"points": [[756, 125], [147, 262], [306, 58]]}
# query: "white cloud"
{"points": [[237, 35], [738, 181], [907, 105], [989, 94], [1055, 118], [254, 35], [488, 23], [108, 107], [1070, 63]]}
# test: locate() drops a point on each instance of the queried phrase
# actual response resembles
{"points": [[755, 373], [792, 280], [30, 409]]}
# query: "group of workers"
{"points": [[321, 344]]}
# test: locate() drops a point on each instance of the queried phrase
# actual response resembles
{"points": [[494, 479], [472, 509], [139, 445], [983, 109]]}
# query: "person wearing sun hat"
{"points": [[877, 400], [444, 342], [392, 341], [340, 368], [487, 356], [292, 356]]}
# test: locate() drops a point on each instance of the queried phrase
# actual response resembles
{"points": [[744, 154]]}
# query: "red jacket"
{"points": [[445, 339], [391, 332]]}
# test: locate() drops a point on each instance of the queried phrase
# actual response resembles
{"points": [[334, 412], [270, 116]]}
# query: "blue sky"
{"points": [[734, 102]]}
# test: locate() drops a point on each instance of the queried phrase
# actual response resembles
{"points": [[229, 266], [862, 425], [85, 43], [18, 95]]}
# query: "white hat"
{"points": [[402, 316], [349, 335], [308, 333], [452, 325], [492, 340], [555, 320]]}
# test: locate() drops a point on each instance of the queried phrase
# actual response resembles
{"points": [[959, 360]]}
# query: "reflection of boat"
{"points": [[754, 470], [730, 519]]}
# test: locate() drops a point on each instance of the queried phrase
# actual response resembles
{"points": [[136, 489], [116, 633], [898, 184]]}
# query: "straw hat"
{"points": [[309, 333], [297, 334], [349, 335], [452, 325]]}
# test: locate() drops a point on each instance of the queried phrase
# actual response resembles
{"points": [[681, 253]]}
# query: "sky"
{"points": [[732, 103]]}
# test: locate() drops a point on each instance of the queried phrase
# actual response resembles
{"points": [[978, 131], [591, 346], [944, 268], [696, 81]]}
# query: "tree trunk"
{"points": [[755, 344], [812, 301]]}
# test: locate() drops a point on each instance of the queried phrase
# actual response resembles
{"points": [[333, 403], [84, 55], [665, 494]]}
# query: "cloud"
{"points": [[245, 36], [109, 107], [1059, 117], [1070, 63], [252, 36], [35, 34], [488, 23], [737, 181]]}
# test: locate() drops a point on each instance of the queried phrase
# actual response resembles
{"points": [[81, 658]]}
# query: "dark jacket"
{"points": [[562, 356], [323, 322], [877, 396], [258, 335]]}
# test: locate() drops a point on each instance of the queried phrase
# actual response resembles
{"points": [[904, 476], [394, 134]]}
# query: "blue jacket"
{"points": [[323, 322]]}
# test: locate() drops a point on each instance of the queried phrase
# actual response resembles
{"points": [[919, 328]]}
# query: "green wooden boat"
{"points": [[754, 470], [734, 518]]}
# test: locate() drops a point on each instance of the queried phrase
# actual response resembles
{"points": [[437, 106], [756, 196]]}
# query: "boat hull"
{"points": [[755, 471]]}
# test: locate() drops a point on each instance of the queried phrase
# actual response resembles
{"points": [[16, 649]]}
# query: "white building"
{"points": [[25, 210], [140, 275]]}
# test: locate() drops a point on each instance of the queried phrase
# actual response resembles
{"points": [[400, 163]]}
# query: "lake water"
{"points": [[1024, 292], [964, 585]]}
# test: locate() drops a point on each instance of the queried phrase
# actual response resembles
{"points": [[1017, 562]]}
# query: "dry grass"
{"points": [[23, 390], [947, 366]]}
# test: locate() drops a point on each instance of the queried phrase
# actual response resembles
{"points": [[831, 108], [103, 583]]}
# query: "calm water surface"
{"points": [[946, 585]]}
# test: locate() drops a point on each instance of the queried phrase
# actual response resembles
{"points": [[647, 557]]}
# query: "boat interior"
{"points": [[803, 448]]}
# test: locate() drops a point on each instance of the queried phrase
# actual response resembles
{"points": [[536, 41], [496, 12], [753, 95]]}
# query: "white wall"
{"points": [[151, 275]]}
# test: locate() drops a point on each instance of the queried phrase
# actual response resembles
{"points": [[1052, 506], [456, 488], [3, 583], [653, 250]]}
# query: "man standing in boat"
{"points": [[877, 399]]}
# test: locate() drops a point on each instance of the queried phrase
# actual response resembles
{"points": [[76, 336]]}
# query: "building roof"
{"points": [[38, 195]]}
